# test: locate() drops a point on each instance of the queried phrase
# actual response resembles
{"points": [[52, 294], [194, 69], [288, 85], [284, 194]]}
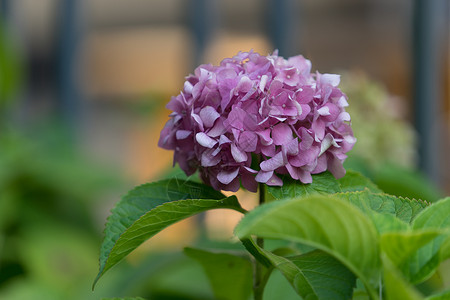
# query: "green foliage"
{"points": [[347, 234], [149, 208], [230, 275], [355, 233]]}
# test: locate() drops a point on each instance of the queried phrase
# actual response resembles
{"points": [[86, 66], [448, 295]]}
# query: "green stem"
{"points": [[259, 280]]}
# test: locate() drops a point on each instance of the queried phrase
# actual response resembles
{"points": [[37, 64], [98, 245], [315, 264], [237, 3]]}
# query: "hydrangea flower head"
{"points": [[264, 108]]}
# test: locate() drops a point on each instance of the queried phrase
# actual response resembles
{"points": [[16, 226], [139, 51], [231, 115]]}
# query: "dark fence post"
{"points": [[428, 53]]}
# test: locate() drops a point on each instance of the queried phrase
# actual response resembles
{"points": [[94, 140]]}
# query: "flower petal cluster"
{"points": [[254, 117]]}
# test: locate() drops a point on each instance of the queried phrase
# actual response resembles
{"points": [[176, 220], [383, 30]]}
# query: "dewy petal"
{"points": [[273, 163], [281, 134], [204, 140], [208, 115], [227, 176], [238, 155]]}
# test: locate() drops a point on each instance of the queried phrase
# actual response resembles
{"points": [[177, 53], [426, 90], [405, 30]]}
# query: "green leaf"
{"points": [[230, 275], [400, 246], [427, 259], [388, 223], [314, 275], [329, 278], [403, 208], [440, 296], [149, 208], [323, 183], [395, 286], [354, 181], [324, 222], [125, 298]]}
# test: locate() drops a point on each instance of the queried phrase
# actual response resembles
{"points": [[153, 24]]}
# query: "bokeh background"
{"points": [[83, 86]]}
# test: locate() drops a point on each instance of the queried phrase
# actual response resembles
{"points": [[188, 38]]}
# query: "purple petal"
{"points": [[299, 174], [273, 163], [265, 137], [248, 141], [307, 139], [209, 159], [182, 134], [208, 115], [321, 165], [204, 140], [269, 150], [336, 168], [330, 79], [238, 155], [248, 181], [327, 142], [197, 120], [304, 157], [281, 134], [263, 176], [291, 147], [274, 181], [318, 127], [218, 129], [227, 176]]}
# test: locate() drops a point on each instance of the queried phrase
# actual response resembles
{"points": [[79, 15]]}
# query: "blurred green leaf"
{"points": [[395, 286], [405, 182], [149, 208], [400, 246], [230, 275], [436, 216], [440, 296], [124, 298], [325, 222], [323, 183]]}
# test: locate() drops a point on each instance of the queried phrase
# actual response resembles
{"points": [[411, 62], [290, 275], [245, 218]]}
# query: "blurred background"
{"points": [[83, 86]]}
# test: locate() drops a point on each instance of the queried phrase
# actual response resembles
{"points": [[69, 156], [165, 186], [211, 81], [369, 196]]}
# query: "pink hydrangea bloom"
{"points": [[293, 121]]}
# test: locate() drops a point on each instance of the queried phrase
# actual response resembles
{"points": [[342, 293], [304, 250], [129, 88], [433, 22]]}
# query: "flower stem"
{"points": [[259, 281]]}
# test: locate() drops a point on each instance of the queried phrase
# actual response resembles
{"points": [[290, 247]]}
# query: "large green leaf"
{"points": [[149, 208], [354, 181], [427, 259], [323, 183], [322, 221], [403, 208], [230, 275]]}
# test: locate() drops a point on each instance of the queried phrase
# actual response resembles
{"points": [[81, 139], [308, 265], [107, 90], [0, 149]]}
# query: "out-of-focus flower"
{"points": [[264, 108], [379, 122]]}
